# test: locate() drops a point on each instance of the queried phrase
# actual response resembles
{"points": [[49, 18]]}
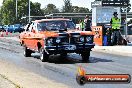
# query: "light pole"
{"points": [[126, 24], [16, 9], [29, 11]]}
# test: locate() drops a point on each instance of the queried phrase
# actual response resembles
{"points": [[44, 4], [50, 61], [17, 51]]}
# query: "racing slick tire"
{"points": [[43, 56], [85, 56], [27, 52]]}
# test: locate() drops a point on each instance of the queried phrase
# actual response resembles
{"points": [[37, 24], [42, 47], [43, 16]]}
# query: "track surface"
{"points": [[64, 71]]}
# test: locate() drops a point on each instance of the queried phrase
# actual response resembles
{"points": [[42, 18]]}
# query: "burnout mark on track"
{"points": [[9, 50]]}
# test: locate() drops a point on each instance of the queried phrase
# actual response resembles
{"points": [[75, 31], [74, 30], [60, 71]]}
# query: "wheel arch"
{"points": [[22, 43], [39, 45]]}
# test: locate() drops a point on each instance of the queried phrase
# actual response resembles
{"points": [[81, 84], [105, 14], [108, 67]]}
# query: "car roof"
{"points": [[42, 20]]}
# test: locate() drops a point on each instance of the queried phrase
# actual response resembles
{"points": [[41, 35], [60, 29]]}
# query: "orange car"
{"points": [[56, 36]]}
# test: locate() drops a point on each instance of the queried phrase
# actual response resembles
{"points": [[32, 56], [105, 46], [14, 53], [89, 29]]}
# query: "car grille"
{"points": [[73, 38], [69, 39], [65, 40]]}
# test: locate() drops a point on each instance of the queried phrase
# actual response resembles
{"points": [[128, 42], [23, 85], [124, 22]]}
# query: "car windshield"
{"points": [[56, 25]]}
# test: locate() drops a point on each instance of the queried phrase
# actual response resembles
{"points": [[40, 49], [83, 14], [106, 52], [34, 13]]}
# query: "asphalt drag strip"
{"points": [[64, 70]]}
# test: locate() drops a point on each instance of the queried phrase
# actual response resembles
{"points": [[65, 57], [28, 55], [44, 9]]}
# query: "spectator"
{"points": [[87, 22], [81, 25], [116, 24]]}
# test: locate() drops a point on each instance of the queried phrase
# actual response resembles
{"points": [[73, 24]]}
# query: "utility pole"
{"points": [[29, 10], [16, 9], [126, 23]]}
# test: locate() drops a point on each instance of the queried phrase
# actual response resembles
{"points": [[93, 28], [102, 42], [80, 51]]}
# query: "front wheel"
{"points": [[85, 56], [27, 52], [43, 56]]}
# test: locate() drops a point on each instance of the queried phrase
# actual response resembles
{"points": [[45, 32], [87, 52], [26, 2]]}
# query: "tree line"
{"points": [[8, 10]]}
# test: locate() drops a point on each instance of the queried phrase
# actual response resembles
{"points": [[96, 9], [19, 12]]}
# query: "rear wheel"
{"points": [[27, 52], [85, 56], [43, 55]]}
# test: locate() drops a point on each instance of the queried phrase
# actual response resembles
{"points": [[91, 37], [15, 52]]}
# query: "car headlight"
{"points": [[58, 40], [82, 39], [49, 41], [88, 38]]}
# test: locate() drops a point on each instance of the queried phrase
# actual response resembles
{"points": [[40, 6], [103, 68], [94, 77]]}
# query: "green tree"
{"points": [[36, 10], [4, 1], [0, 16], [50, 8], [8, 10], [77, 9], [67, 6]]}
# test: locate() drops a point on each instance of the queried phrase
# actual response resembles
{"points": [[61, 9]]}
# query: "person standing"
{"points": [[116, 24], [87, 23], [109, 33], [81, 25]]}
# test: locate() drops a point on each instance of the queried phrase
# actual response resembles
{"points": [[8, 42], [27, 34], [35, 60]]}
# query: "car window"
{"points": [[55, 25], [30, 28], [27, 27], [35, 26], [70, 25], [39, 27]]}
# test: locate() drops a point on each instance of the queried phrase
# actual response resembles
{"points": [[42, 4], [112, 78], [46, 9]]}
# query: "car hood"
{"points": [[65, 33]]}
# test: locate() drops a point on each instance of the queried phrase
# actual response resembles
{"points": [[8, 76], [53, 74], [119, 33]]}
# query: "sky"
{"points": [[60, 3]]}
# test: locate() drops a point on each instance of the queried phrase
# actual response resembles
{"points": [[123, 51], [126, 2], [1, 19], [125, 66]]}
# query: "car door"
{"points": [[28, 37], [38, 37], [34, 40], [32, 37]]}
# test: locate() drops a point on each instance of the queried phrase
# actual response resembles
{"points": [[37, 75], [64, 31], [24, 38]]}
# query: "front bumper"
{"points": [[69, 48]]}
